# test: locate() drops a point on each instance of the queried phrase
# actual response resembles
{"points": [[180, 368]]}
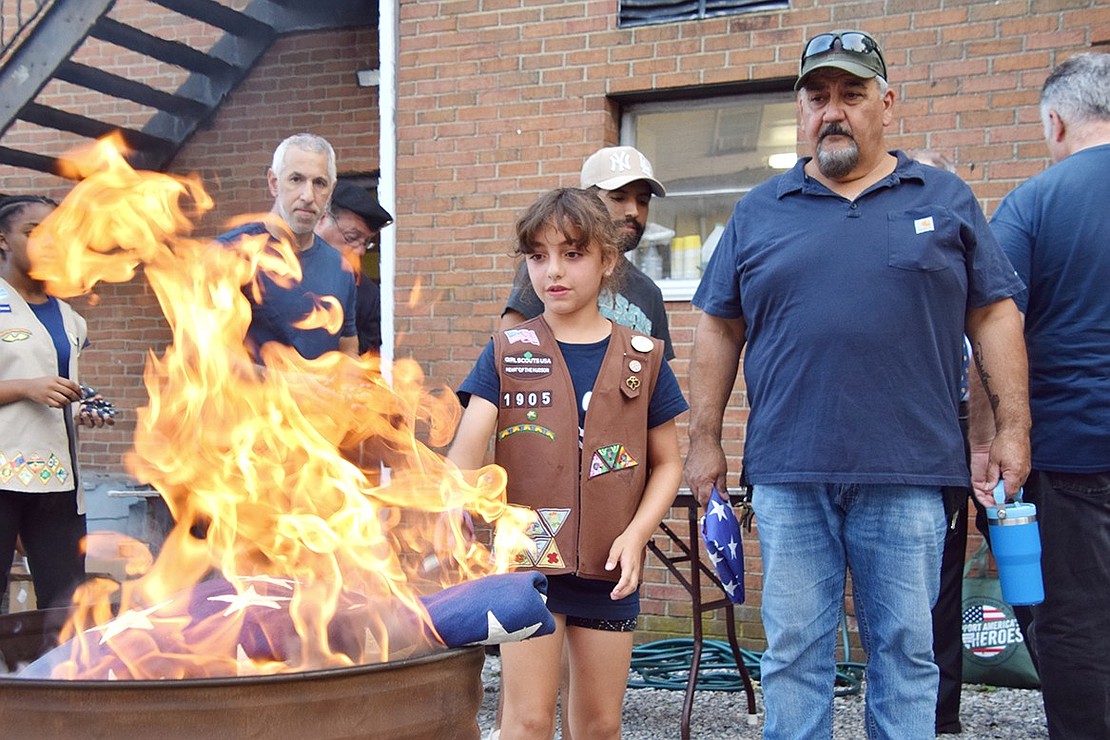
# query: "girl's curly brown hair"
{"points": [[582, 219]]}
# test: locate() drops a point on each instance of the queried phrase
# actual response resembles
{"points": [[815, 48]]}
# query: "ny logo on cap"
{"points": [[619, 161]]}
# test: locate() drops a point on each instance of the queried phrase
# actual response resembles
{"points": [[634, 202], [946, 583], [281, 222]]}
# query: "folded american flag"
{"points": [[721, 533], [247, 624], [492, 610]]}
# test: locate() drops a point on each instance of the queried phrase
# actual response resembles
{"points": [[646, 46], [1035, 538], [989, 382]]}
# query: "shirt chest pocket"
{"points": [[923, 240]]}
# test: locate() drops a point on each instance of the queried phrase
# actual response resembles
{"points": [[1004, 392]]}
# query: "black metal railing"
{"points": [[17, 18]]}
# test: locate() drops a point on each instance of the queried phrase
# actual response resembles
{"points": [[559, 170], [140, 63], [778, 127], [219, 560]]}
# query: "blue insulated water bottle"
{"points": [[1016, 544]]}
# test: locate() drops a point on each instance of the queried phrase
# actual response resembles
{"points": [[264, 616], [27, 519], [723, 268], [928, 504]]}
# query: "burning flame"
{"points": [[269, 472]]}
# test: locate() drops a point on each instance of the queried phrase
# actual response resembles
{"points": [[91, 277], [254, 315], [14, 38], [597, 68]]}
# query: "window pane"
{"points": [[642, 12], [707, 154]]}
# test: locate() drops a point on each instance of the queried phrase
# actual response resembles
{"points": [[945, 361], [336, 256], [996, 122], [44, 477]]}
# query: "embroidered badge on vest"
{"points": [[542, 530], [609, 458], [28, 468], [15, 335], [528, 365], [524, 336], [534, 428]]}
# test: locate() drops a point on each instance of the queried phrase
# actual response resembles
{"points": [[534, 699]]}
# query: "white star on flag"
{"points": [[730, 588], [371, 646], [244, 666], [237, 602], [497, 633], [721, 533], [129, 620], [717, 509], [286, 583]]}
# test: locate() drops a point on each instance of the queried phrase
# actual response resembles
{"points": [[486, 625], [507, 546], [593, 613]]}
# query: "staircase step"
{"points": [[119, 87], [220, 16], [170, 52], [60, 120]]}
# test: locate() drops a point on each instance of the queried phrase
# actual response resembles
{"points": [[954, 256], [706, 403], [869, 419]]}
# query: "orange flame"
{"points": [[267, 471]]}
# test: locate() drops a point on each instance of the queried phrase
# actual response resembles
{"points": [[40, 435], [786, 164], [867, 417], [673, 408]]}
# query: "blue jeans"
{"points": [[891, 538]]}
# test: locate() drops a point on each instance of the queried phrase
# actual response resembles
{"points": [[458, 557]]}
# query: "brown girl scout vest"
{"points": [[580, 509]]}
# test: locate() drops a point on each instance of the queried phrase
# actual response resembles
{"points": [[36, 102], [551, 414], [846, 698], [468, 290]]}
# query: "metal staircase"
{"points": [[40, 39]]}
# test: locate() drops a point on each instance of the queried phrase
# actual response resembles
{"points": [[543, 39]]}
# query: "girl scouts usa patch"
{"points": [[528, 365]]}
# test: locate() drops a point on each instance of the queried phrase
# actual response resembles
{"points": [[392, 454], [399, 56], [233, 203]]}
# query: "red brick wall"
{"points": [[502, 99]]}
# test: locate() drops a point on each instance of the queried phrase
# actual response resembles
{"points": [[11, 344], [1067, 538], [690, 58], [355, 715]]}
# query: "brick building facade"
{"points": [[499, 100]]}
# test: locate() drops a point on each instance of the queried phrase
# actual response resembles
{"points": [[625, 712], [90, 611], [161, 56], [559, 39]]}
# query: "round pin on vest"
{"points": [[635, 366], [641, 343]]}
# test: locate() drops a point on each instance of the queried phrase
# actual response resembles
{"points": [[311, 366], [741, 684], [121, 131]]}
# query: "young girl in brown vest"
{"points": [[583, 412]]}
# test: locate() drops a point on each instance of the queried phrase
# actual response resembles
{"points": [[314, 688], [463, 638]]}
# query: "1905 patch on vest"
{"points": [[528, 365]]}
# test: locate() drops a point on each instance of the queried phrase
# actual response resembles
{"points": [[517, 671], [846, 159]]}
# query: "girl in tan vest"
{"points": [[40, 340], [582, 411]]}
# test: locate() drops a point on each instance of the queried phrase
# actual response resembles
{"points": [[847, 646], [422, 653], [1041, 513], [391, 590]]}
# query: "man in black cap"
{"points": [[850, 281], [352, 223]]}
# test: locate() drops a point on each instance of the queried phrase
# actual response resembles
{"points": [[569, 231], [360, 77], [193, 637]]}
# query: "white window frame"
{"points": [[682, 289]]}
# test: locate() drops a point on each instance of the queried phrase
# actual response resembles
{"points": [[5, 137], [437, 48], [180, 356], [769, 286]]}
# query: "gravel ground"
{"points": [[654, 714]]}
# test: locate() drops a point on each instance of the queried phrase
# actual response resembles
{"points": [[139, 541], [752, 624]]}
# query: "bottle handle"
{"points": [[1000, 494]]}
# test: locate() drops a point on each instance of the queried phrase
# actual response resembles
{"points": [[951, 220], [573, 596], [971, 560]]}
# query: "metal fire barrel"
{"points": [[434, 696]]}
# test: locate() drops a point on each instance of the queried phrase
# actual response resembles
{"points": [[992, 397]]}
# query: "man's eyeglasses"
{"points": [[853, 43], [354, 238]]}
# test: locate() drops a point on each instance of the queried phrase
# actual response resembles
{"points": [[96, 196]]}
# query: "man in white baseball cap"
{"points": [[625, 181], [615, 166]]}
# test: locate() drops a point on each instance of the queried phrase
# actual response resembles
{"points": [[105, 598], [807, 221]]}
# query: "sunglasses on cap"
{"points": [[852, 42]]}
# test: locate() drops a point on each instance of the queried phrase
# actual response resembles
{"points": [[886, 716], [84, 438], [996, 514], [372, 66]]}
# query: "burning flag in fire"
{"points": [[251, 460], [254, 611]]}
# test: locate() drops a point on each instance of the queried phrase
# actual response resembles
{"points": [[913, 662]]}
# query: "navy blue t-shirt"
{"points": [[855, 316], [324, 273], [1056, 230]]}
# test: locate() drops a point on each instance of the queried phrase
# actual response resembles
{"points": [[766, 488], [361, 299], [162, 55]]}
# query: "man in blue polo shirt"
{"points": [[851, 280], [301, 180], [1056, 230]]}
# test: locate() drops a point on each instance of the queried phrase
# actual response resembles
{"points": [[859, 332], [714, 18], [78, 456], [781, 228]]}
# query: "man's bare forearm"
{"points": [[713, 367], [1002, 366]]}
